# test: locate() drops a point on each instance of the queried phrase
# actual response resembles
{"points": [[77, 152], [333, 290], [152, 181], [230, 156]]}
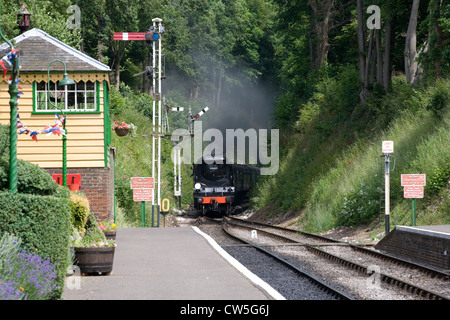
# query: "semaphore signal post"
{"points": [[153, 38]]}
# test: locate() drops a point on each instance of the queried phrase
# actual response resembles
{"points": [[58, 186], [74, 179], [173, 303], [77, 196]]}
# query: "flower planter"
{"points": [[110, 235], [121, 132], [95, 259], [74, 187]]}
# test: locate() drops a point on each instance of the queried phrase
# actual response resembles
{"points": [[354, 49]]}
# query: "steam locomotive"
{"points": [[220, 186]]}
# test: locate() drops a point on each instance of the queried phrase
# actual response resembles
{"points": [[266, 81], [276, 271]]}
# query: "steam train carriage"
{"points": [[219, 186]]}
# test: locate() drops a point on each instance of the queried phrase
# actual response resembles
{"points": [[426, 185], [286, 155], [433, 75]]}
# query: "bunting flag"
{"points": [[49, 129]]}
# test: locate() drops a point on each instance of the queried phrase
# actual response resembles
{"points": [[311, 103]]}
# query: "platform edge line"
{"points": [[241, 268]]}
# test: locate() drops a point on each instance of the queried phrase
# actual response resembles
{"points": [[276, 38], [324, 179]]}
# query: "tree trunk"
{"points": [[117, 74], [379, 57], [387, 63], [361, 49], [147, 82], [368, 61], [439, 40], [322, 13], [219, 89], [411, 64], [100, 39], [118, 58]]}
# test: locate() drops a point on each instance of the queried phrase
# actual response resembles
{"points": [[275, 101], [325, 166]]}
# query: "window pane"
{"points": [[90, 86], [41, 100], [79, 97], [70, 97], [40, 86], [90, 100], [80, 86]]}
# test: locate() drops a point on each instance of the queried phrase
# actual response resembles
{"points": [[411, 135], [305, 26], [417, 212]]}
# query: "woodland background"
{"points": [[311, 68]]}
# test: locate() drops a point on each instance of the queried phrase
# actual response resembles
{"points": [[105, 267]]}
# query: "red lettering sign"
{"points": [[142, 195], [413, 192], [142, 182], [413, 180]]}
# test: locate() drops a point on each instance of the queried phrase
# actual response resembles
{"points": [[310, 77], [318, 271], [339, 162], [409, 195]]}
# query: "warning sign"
{"points": [[413, 192], [413, 180], [142, 194], [142, 182]]}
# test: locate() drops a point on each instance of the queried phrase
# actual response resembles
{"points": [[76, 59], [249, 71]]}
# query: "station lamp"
{"points": [[66, 81]]}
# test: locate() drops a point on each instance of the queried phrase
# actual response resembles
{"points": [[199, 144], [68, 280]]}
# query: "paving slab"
{"points": [[169, 264]]}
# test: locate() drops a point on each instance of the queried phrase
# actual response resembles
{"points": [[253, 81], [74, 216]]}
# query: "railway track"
{"points": [[415, 280], [333, 293]]}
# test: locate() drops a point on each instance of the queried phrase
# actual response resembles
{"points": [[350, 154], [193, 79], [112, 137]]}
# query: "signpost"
{"points": [[142, 191], [413, 189], [387, 148], [153, 37], [142, 195], [165, 207]]}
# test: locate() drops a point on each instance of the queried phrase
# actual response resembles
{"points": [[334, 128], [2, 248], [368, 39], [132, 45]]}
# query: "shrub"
{"points": [[79, 211], [359, 206], [30, 178], [24, 275], [439, 100], [43, 223]]}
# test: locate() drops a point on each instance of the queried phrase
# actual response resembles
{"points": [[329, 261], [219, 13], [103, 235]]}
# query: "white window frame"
{"points": [[64, 92]]}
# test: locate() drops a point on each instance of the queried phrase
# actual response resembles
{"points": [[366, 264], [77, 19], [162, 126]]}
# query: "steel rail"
{"points": [[350, 264], [385, 256], [322, 285]]}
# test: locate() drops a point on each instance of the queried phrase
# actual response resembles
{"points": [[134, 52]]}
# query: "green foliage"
{"points": [[439, 179], [360, 206], [79, 209], [440, 99], [49, 16], [30, 178], [331, 162], [39, 214], [42, 223]]}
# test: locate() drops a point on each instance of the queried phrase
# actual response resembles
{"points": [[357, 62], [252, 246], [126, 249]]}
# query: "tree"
{"points": [[435, 54], [319, 26], [122, 17], [49, 16], [411, 64], [94, 24]]}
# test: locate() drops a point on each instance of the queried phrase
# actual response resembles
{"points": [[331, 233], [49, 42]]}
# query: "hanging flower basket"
{"points": [[121, 128], [121, 132]]}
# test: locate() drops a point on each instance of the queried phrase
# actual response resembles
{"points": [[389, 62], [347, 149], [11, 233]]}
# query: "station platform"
{"points": [[169, 264], [428, 245]]}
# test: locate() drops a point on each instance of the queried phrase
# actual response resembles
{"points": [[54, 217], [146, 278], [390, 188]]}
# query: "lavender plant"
{"points": [[24, 275]]}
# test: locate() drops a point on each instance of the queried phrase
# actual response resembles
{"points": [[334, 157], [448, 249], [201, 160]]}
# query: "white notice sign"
{"points": [[388, 147]]}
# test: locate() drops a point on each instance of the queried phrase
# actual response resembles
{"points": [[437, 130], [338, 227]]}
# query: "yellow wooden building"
{"points": [[86, 107]]}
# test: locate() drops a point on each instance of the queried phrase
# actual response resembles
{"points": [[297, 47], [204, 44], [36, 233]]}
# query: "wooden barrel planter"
{"points": [[110, 235], [95, 260]]}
